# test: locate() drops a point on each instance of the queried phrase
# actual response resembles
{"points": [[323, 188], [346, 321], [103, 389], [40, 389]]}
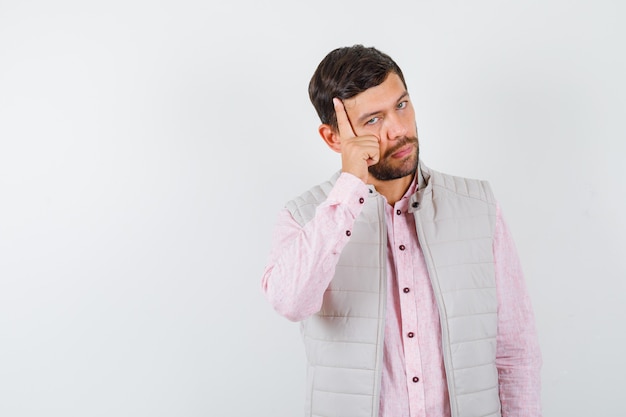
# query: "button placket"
{"points": [[403, 244]]}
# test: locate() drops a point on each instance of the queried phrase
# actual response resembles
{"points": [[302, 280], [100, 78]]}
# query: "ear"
{"points": [[330, 137]]}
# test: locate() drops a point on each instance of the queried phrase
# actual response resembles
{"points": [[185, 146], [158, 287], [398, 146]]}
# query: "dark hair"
{"points": [[346, 72]]}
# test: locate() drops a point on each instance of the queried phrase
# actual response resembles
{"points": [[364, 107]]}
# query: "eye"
{"points": [[372, 121], [402, 105]]}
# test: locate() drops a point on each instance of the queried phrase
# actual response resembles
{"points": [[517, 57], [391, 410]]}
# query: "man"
{"points": [[406, 281]]}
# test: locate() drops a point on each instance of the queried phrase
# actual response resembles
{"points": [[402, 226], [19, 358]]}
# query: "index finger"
{"points": [[343, 123]]}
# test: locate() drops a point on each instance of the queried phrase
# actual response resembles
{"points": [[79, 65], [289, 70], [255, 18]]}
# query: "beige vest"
{"points": [[455, 221]]}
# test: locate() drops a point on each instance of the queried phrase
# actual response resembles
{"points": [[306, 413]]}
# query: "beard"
{"points": [[388, 168]]}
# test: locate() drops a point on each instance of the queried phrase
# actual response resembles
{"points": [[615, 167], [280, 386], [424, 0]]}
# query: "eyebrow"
{"points": [[367, 116]]}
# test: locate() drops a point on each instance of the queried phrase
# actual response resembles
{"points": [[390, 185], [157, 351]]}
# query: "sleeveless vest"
{"points": [[455, 222]]}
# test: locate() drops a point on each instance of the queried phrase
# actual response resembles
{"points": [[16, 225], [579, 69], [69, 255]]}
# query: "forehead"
{"points": [[379, 97]]}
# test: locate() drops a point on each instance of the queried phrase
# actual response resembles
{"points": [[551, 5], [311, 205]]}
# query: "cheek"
{"points": [[409, 117], [411, 125]]}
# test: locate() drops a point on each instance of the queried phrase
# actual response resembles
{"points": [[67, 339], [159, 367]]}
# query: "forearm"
{"points": [[519, 363], [303, 258], [518, 357]]}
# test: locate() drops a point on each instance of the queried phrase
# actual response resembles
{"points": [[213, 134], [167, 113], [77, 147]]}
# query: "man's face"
{"points": [[385, 111]]}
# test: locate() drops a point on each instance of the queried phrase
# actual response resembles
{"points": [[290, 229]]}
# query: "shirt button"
{"points": [[406, 290], [416, 379], [410, 334], [348, 233], [398, 212], [361, 200], [402, 247]]}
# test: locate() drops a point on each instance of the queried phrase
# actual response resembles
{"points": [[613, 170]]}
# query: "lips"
{"points": [[403, 151]]}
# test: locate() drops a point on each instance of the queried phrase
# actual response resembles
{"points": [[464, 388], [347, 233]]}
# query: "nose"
{"points": [[396, 128]]}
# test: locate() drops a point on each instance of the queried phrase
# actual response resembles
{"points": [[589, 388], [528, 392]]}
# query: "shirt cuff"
{"points": [[350, 192]]}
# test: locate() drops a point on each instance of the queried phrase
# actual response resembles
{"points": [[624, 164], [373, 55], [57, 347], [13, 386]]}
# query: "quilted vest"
{"points": [[455, 222]]}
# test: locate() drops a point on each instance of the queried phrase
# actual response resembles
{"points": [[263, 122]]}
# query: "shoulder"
{"points": [[303, 206], [461, 186], [315, 194]]}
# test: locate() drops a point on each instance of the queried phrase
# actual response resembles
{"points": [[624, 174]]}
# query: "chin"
{"points": [[384, 171]]}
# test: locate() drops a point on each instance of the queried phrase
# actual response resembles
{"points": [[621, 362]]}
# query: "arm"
{"points": [[303, 258], [518, 357]]}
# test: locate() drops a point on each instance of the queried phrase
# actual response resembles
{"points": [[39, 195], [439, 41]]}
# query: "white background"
{"points": [[147, 146]]}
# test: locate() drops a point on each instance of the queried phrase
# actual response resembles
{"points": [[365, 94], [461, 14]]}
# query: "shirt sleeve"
{"points": [[518, 357], [303, 258]]}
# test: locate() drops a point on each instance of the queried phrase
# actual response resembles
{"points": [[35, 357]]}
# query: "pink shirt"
{"points": [[302, 263]]}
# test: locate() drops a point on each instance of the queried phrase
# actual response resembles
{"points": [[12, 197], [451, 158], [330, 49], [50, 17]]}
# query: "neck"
{"points": [[393, 190]]}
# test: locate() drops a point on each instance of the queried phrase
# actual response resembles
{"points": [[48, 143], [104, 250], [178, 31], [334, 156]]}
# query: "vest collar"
{"points": [[424, 186]]}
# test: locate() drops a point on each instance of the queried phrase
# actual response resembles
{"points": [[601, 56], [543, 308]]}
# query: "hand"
{"points": [[357, 152]]}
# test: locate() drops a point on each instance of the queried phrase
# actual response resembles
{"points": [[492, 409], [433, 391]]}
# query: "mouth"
{"points": [[404, 151]]}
